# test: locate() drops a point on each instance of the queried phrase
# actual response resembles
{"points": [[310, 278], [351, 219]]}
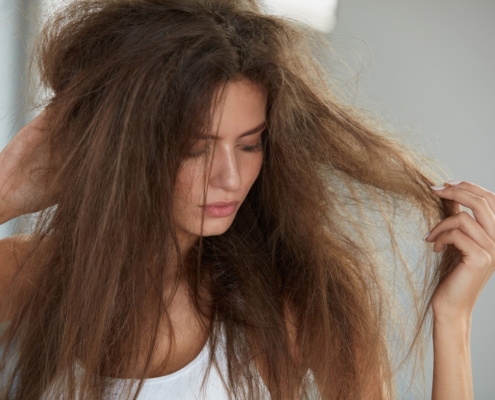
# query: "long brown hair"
{"points": [[320, 237]]}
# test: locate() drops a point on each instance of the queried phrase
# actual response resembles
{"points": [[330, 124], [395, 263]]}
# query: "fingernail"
{"points": [[428, 234], [437, 187], [453, 182]]}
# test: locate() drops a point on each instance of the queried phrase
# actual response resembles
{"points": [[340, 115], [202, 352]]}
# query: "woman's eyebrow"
{"points": [[247, 133]]}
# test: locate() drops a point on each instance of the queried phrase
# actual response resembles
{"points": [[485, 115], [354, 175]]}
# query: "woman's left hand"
{"points": [[475, 238]]}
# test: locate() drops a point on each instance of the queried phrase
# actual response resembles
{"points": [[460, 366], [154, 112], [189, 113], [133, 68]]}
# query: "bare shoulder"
{"points": [[12, 251]]}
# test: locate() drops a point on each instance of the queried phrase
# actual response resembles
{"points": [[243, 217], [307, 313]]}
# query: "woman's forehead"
{"points": [[241, 111]]}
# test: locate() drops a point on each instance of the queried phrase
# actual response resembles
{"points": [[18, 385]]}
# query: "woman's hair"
{"points": [[319, 240]]}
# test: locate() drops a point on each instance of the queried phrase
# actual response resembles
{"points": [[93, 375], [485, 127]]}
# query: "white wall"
{"points": [[428, 66]]}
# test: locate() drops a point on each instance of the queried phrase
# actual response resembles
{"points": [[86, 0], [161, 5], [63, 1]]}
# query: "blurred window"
{"points": [[318, 14]]}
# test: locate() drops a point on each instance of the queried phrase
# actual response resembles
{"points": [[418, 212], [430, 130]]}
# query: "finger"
{"points": [[467, 225], [480, 206], [475, 189], [473, 255], [457, 207]]}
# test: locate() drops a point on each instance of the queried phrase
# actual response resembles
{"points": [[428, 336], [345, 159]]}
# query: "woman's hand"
{"points": [[23, 185], [454, 299]]}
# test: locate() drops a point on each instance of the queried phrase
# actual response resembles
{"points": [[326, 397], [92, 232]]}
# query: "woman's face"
{"points": [[237, 158]]}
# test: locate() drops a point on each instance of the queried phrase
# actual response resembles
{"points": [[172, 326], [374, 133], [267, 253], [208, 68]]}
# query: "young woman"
{"points": [[213, 221]]}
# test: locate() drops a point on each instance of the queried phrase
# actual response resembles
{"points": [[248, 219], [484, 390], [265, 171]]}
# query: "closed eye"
{"points": [[251, 149]]}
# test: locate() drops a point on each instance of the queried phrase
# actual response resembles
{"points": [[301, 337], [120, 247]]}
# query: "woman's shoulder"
{"points": [[12, 251]]}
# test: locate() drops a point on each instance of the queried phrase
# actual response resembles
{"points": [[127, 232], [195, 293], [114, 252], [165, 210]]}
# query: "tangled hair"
{"points": [[318, 239]]}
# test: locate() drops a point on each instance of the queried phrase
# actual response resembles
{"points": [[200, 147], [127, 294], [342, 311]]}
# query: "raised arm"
{"points": [[454, 300], [22, 191], [27, 170]]}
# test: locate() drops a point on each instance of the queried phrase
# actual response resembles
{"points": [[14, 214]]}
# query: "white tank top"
{"points": [[186, 382]]}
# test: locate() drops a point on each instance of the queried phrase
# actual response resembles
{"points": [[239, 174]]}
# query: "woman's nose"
{"points": [[225, 172]]}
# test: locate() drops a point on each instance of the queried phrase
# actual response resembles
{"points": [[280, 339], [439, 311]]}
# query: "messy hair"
{"points": [[319, 240]]}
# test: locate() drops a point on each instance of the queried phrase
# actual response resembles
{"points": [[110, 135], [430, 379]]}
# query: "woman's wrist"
{"points": [[451, 316], [458, 327]]}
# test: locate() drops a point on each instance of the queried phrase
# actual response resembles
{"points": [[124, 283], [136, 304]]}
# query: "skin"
{"points": [[21, 191], [233, 167], [233, 171], [235, 164], [454, 300]]}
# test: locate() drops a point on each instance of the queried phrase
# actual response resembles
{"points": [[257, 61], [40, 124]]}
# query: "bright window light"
{"points": [[50, 6], [318, 14]]}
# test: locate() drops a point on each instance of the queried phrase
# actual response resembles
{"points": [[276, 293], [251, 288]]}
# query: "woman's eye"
{"points": [[257, 147], [196, 155], [195, 152]]}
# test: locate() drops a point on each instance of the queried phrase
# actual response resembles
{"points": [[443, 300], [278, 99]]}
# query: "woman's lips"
{"points": [[222, 203], [220, 211]]}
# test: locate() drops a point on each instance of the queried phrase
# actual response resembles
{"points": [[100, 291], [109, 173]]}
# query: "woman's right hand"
{"points": [[22, 186]]}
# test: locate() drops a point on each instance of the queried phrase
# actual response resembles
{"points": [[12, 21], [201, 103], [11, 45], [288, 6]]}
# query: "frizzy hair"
{"points": [[131, 83]]}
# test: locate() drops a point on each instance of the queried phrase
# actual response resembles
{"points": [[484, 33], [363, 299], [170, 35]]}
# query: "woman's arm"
{"points": [[454, 299], [23, 189], [452, 376]]}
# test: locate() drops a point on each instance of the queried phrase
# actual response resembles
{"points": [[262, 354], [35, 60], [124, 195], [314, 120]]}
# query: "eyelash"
{"points": [[252, 149]]}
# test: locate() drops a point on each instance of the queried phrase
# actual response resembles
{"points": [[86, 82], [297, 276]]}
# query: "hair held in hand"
{"points": [[130, 84]]}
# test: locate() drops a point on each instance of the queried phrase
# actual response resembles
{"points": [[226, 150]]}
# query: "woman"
{"points": [[137, 284]]}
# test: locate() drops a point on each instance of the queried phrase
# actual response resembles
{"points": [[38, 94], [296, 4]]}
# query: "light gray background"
{"points": [[15, 31], [8, 78], [426, 66]]}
